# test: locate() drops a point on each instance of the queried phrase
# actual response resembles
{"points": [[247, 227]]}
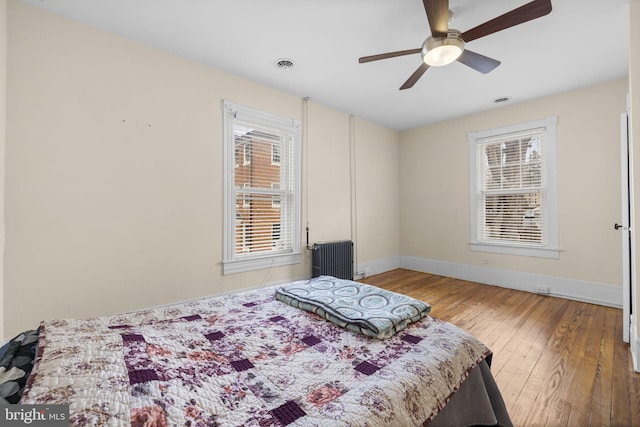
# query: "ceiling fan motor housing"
{"points": [[439, 51]]}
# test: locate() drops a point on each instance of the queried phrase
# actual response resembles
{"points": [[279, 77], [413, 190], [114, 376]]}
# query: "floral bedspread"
{"points": [[246, 359]]}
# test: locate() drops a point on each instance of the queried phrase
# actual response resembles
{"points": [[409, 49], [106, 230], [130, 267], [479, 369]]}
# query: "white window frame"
{"points": [[550, 247], [240, 262]]}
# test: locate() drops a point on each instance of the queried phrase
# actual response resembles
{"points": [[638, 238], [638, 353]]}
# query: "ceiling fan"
{"points": [[446, 45]]}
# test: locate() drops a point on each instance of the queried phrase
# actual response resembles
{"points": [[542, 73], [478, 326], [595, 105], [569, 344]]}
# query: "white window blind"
{"points": [[268, 190], [512, 198], [513, 189]]}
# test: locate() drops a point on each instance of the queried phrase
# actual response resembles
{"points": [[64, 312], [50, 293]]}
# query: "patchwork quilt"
{"points": [[246, 359]]}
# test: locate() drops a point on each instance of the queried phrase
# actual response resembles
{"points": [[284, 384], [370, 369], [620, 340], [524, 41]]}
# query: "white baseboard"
{"points": [[580, 290]]}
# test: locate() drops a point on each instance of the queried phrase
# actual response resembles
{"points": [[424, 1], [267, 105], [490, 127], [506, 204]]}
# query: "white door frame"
{"points": [[627, 308]]}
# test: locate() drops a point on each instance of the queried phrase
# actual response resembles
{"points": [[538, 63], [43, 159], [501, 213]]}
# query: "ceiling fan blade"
{"points": [[438, 15], [415, 76], [388, 55], [520, 15], [478, 62]]}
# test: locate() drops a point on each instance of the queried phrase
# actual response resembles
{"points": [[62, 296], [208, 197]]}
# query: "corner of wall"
{"points": [[3, 135], [369, 268]]}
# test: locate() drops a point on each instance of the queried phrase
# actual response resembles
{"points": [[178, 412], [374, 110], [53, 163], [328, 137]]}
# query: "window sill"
{"points": [[259, 263], [515, 250]]}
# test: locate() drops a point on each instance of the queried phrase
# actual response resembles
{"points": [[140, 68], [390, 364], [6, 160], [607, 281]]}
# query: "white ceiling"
{"points": [[581, 42]]}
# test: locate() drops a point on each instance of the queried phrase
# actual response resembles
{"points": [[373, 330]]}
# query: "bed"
{"points": [[250, 359]]}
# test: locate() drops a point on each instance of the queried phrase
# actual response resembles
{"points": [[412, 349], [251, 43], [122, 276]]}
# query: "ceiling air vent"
{"points": [[284, 64]]}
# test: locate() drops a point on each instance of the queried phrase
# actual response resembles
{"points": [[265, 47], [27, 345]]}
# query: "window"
{"points": [[514, 189], [246, 198], [263, 230], [275, 154], [246, 146], [275, 234], [245, 243], [275, 201]]}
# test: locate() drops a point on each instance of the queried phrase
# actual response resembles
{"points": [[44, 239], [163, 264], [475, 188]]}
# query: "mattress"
{"points": [[247, 359]]}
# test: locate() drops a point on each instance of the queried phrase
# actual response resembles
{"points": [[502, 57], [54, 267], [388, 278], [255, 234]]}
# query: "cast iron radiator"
{"points": [[333, 259]]}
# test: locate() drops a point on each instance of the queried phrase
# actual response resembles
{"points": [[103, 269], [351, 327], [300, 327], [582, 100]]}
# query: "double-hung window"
{"points": [[262, 197], [514, 189]]}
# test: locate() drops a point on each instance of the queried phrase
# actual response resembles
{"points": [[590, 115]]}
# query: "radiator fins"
{"points": [[333, 259]]}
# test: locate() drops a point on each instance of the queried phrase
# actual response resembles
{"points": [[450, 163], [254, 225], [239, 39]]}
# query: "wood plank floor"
{"points": [[557, 362]]}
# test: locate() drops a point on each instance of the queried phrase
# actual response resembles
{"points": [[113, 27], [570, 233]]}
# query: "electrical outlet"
{"points": [[543, 290], [485, 260]]}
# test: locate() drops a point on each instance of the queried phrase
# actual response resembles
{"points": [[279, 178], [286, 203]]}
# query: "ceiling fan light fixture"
{"points": [[440, 51]]}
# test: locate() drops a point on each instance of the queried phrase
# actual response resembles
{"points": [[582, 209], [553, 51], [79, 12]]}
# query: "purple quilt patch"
{"points": [[132, 337], [276, 318], [411, 339], [241, 365], [214, 336], [192, 318], [288, 412], [311, 340], [367, 368], [142, 376], [250, 304]]}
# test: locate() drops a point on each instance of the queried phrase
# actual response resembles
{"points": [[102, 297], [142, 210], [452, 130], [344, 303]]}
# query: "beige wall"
{"points": [[378, 200], [114, 174], [370, 212], [434, 177], [3, 127], [114, 186], [328, 172]]}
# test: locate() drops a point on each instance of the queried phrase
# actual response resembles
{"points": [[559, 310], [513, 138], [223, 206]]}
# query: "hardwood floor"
{"points": [[557, 362]]}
